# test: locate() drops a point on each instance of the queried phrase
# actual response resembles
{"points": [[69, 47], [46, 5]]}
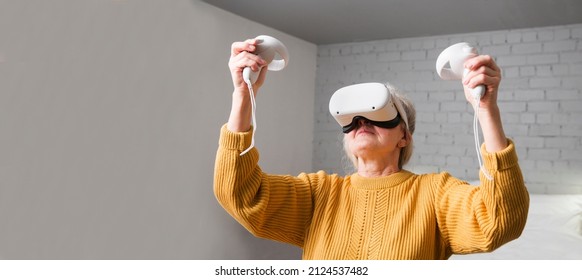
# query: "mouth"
{"points": [[363, 130]]}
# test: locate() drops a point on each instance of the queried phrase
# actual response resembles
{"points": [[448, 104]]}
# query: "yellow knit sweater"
{"points": [[401, 216]]}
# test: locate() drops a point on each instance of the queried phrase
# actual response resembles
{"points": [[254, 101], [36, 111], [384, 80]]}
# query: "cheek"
{"points": [[389, 138], [349, 140], [352, 143]]}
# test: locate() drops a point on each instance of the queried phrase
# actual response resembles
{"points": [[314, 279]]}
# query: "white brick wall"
{"points": [[540, 99]]}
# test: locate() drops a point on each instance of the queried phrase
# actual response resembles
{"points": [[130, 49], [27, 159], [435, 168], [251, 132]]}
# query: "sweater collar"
{"points": [[377, 183]]}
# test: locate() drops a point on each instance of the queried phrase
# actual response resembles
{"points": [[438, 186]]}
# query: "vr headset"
{"points": [[370, 101]]}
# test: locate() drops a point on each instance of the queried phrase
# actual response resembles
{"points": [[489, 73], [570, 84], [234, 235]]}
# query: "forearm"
{"points": [[492, 127], [270, 206], [482, 219], [506, 195], [240, 112]]}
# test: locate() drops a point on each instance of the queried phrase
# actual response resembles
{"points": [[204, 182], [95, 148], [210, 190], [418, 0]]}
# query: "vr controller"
{"points": [[450, 62], [277, 57], [371, 101], [450, 66], [268, 48]]}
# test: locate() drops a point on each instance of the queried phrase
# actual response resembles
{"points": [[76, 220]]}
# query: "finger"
{"points": [[245, 59], [246, 46], [481, 60], [262, 75], [483, 70], [482, 79], [239, 47]]}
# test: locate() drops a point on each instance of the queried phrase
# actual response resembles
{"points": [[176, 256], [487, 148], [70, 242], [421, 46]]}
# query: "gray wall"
{"points": [[540, 99], [109, 120]]}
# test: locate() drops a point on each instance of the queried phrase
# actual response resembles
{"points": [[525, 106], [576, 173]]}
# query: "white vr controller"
{"points": [[450, 66], [276, 55], [273, 52], [450, 62]]}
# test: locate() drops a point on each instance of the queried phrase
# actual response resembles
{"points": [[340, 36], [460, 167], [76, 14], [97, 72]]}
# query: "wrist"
{"points": [[489, 112]]}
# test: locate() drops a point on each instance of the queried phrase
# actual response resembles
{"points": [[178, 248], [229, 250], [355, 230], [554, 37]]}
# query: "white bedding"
{"points": [[553, 232]]}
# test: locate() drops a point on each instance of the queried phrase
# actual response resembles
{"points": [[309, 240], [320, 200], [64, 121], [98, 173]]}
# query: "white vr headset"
{"points": [[370, 101]]}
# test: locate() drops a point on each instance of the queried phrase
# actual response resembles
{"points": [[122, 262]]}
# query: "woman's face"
{"points": [[369, 140]]}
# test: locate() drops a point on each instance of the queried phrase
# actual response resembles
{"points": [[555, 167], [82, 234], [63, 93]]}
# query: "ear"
{"points": [[402, 143]]}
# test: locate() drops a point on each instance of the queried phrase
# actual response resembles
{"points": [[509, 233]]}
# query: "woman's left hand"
{"points": [[482, 71]]}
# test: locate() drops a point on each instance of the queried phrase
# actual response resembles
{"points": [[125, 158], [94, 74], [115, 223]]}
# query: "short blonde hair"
{"points": [[405, 152]]}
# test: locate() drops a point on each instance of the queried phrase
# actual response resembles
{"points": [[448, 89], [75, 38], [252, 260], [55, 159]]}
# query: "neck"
{"points": [[377, 168]]}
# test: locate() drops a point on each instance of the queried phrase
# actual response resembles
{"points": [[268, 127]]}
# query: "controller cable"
{"points": [[253, 116]]}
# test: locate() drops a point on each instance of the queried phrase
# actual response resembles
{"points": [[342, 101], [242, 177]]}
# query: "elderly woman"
{"points": [[382, 211]]}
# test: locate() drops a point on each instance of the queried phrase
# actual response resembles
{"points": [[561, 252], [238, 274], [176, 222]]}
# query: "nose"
{"points": [[363, 121]]}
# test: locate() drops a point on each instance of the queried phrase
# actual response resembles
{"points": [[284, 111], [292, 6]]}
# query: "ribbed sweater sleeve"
{"points": [[482, 218], [277, 207]]}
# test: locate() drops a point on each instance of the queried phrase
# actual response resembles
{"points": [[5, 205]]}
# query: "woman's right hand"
{"points": [[241, 56]]}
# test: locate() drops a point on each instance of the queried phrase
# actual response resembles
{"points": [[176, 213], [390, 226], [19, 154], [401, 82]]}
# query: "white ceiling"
{"points": [[341, 21]]}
